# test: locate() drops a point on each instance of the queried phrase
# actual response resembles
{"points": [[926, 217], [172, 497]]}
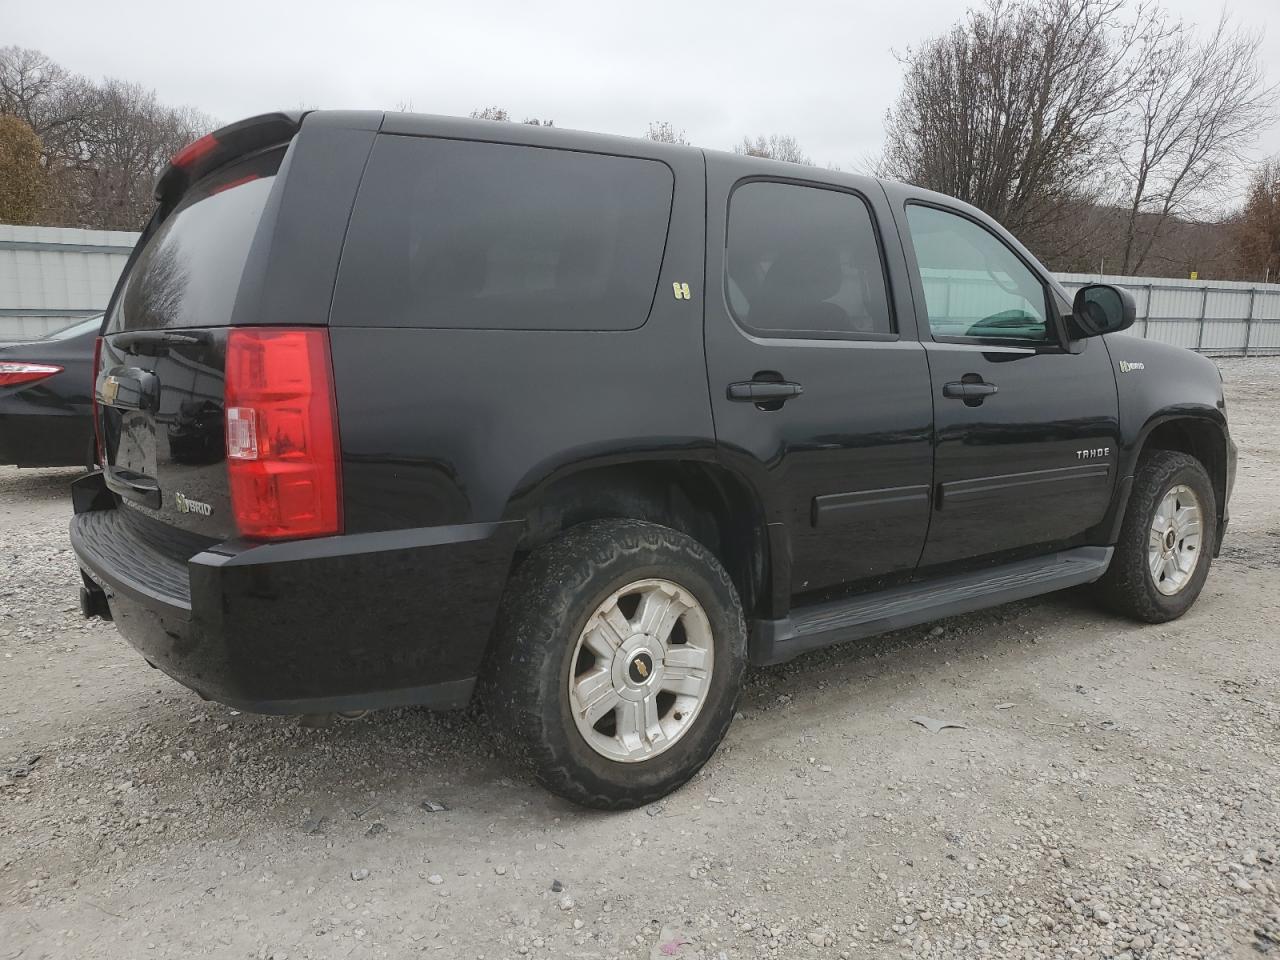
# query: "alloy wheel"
{"points": [[641, 670], [1173, 545]]}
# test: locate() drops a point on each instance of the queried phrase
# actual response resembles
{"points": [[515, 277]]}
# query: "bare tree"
{"points": [[22, 176], [56, 104], [1197, 105], [500, 113], [103, 145], [131, 140], [490, 113], [1011, 108], [1258, 229], [776, 146], [662, 131]]}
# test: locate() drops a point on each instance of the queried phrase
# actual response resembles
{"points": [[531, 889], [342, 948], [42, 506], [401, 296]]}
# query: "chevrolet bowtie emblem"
{"points": [[641, 668]]}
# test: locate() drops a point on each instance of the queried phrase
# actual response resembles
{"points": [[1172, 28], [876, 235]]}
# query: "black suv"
{"points": [[398, 409]]}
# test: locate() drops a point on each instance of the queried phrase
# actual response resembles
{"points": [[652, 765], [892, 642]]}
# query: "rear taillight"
{"points": [[97, 411], [14, 372], [282, 433]]}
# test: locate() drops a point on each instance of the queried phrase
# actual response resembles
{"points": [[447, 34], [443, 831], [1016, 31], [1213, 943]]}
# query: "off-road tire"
{"points": [[544, 611], [1127, 587]]}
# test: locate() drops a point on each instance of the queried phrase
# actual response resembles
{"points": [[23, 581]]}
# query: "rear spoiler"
{"points": [[215, 149]]}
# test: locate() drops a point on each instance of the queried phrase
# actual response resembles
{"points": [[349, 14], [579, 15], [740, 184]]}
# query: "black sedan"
{"points": [[46, 398]]}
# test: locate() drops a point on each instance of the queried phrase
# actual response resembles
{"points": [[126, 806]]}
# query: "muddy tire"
{"points": [[618, 658], [1166, 541]]}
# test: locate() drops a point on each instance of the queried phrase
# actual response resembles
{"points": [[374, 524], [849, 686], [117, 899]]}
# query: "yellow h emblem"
{"points": [[681, 290]]}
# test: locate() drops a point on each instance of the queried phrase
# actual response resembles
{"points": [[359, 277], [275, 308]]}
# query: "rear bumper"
{"points": [[337, 623]]}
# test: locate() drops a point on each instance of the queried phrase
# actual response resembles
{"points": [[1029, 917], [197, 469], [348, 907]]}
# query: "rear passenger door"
{"points": [[819, 389]]}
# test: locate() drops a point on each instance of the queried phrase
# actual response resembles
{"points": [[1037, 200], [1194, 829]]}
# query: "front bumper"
{"points": [[1229, 483], [361, 621]]}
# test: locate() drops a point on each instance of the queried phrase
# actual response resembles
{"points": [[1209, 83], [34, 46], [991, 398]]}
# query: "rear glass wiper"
{"points": [[155, 342]]}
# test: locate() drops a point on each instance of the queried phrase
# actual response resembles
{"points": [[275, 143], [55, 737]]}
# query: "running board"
{"points": [[822, 624]]}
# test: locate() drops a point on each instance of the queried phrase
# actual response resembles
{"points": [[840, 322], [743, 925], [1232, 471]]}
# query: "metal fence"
{"points": [[1220, 317], [52, 276]]}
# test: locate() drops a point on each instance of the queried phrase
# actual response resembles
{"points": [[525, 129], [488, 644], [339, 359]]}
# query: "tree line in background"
{"points": [[1103, 133], [1258, 225], [78, 153]]}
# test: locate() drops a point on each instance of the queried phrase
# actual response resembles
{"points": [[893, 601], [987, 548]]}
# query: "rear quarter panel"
{"points": [[450, 426]]}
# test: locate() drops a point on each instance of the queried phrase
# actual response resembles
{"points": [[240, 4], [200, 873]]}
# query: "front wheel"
{"points": [[1166, 541], [618, 658]]}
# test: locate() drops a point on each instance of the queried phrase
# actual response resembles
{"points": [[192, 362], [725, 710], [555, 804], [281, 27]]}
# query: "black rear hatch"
{"points": [[160, 377]]}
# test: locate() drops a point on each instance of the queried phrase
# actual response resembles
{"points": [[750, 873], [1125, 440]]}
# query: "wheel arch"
{"points": [[701, 498], [1200, 434], [1201, 437]]}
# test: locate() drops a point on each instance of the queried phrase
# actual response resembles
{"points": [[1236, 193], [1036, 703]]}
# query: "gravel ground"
{"points": [[1115, 792]]}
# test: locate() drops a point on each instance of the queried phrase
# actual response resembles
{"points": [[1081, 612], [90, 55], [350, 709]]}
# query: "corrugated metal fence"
{"points": [[1221, 317], [51, 276]]}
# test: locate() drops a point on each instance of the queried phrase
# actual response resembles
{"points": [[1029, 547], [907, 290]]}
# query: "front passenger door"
{"points": [[1025, 423]]}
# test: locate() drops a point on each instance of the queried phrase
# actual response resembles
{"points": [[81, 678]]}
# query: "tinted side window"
{"points": [[974, 286], [451, 233], [804, 262]]}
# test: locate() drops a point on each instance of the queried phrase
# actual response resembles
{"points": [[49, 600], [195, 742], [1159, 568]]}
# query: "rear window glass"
{"points": [[451, 233], [189, 272]]}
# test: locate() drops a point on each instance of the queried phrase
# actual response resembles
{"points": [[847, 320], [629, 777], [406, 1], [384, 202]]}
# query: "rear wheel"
{"points": [[618, 660], [1166, 541]]}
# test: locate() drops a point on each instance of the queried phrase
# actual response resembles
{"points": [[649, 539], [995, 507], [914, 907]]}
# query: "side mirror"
{"points": [[1101, 308]]}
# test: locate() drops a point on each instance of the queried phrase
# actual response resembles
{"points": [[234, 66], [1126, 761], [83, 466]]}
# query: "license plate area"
{"points": [[160, 408], [128, 402]]}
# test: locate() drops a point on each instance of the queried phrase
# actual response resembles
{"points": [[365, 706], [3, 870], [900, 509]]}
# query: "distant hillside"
{"points": [[1182, 247]]}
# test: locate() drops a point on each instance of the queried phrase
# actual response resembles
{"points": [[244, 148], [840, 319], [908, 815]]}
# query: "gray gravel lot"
{"points": [[1114, 793]]}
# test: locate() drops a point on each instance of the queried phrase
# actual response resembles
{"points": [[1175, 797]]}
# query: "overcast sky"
{"points": [[822, 71]]}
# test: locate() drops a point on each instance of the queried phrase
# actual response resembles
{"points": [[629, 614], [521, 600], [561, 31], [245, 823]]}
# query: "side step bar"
{"points": [[822, 624]]}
